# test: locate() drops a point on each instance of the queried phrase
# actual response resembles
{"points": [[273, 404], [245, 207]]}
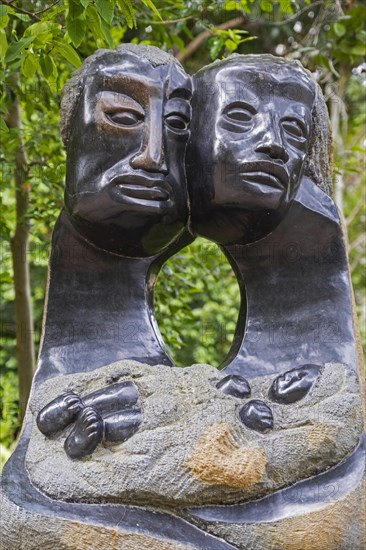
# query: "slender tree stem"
{"points": [[19, 248], [200, 39]]}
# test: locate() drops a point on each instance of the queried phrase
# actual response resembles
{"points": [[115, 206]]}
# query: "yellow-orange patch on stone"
{"points": [[219, 460], [78, 536], [320, 434]]}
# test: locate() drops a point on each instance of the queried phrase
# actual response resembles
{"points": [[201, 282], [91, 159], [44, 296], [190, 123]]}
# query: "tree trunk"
{"points": [[19, 248], [338, 120]]}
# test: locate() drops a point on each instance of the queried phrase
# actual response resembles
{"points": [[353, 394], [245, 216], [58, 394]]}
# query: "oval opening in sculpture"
{"points": [[197, 302]]}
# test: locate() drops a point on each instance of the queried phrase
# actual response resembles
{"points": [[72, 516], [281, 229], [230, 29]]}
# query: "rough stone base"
{"points": [[338, 526], [25, 530], [192, 457], [191, 448]]}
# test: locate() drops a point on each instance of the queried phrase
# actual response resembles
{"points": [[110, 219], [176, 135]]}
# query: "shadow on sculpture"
{"points": [[125, 117], [261, 192]]}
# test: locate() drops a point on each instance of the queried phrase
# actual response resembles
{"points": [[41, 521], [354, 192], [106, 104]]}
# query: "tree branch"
{"points": [[47, 8], [295, 15], [354, 213], [200, 39], [20, 10], [360, 240], [169, 21]]}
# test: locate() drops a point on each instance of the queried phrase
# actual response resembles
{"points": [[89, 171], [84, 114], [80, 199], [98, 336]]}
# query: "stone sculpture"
{"points": [[262, 194], [120, 448]]}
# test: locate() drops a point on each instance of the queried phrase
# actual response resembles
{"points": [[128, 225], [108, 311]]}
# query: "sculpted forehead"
{"points": [[258, 84], [254, 79], [116, 72]]}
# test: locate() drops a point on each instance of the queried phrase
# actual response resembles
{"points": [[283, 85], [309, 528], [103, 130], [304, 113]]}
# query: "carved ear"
{"points": [[319, 161]]}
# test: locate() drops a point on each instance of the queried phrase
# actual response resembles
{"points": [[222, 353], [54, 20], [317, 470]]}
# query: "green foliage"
{"points": [[197, 296], [9, 419], [197, 301]]}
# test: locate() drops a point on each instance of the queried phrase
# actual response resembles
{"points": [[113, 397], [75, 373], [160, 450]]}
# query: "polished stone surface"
{"points": [[119, 447]]}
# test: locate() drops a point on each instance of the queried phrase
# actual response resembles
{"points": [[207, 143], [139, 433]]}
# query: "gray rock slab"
{"points": [[191, 448]]}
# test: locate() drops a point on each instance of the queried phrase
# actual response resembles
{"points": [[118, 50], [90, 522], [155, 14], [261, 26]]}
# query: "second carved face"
{"points": [[251, 125]]}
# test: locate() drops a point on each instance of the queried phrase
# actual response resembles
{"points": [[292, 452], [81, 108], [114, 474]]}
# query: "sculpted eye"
{"points": [[294, 127], [239, 113], [176, 121], [125, 118]]}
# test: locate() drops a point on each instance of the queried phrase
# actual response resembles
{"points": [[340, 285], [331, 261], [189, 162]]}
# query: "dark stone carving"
{"points": [[107, 415], [130, 200], [251, 156], [256, 415], [294, 384], [234, 385], [86, 434], [259, 180], [91, 429], [124, 124], [58, 414], [257, 171]]}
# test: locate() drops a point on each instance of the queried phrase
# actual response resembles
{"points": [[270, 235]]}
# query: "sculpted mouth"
{"points": [[145, 193], [266, 173], [149, 188]]}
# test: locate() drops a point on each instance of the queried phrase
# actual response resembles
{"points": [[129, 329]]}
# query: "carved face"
{"points": [[254, 147], [126, 189]]}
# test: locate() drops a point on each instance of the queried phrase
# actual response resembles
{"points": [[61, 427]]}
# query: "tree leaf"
{"points": [[286, 6], [107, 33], [232, 6], [68, 52], [4, 18], [22, 16], [3, 126], [75, 9], [30, 65], [43, 27], [16, 48], [41, 39], [94, 22], [105, 9], [76, 30], [266, 6], [46, 65], [339, 29], [231, 45], [128, 11], [150, 4], [3, 44]]}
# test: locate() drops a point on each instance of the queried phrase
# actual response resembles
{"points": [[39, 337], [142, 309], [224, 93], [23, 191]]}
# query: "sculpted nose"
{"points": [[274, 150], [151, 156], [271, 143]]}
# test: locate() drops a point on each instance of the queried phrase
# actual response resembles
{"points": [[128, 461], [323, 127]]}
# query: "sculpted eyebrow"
{"points": [[126, 82], [182, 93]]}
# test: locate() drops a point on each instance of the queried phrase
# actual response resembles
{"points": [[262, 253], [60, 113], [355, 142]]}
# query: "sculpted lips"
{"points": [[266, 173], [144, 187]]}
